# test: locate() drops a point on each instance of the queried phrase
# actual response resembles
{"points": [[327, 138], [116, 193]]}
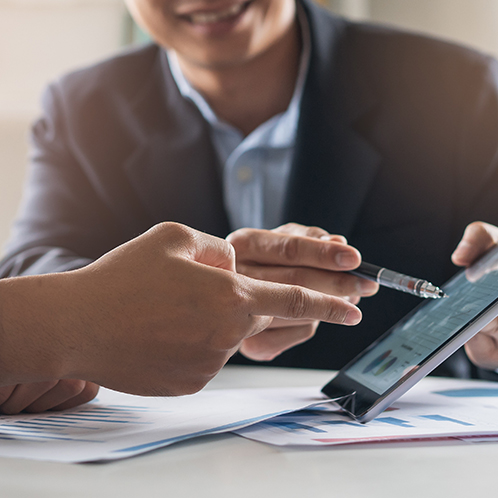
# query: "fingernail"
{"points": [[346, 259], [326, 237], [353, 317], [366, 287]]}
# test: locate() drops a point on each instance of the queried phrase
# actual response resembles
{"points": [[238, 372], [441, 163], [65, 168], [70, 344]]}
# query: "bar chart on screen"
{"points": [[420, 334]]}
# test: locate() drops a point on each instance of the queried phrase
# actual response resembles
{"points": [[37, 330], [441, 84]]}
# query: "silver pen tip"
{"points": [[429, 290]]}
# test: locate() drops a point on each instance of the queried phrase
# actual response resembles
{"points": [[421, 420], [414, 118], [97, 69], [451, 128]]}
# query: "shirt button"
{"points": [[244, 174]]}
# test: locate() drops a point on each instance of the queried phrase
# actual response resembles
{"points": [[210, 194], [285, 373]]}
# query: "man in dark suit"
{"points": [[387, 138]]}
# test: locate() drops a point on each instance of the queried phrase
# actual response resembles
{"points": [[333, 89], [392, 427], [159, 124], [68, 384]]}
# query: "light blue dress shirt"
{"points": [[256, 168]]}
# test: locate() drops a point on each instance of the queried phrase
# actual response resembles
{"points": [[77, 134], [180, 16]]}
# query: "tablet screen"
{"points": [[416, 337]]}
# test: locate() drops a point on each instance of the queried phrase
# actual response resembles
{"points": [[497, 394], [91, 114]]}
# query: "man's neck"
{"points": [[249, 94]]}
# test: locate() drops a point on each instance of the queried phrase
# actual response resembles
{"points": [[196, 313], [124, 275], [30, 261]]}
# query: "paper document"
{"points": [[117, 425], [434, 409]]}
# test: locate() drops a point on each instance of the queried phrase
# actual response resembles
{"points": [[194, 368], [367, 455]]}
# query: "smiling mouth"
{"points": [[207, 18]]}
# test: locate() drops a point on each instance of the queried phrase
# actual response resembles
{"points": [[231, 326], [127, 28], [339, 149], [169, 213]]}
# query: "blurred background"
{"points": [[41, 39]]}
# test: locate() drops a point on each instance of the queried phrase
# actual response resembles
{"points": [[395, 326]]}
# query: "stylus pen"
{"points": [[398, 281]]}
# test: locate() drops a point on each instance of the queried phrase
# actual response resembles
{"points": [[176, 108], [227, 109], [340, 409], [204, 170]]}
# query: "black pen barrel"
{"points": [[367, 270]]}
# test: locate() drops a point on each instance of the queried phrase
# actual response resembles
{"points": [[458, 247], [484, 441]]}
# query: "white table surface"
{"points": [[230, 466]]}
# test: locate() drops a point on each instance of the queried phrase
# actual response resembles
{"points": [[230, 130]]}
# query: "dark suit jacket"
{"points": [[396, 149]]}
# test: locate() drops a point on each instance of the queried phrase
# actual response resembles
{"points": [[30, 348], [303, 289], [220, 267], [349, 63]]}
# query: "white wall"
{"points": [[472, 22], [40, 39], [354, 9]]}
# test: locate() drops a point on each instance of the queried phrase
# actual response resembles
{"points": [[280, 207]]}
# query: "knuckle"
{"points": [[289, 249], [287, 228], [173, 232], [324, 254], [315, 231], [233, 295], [298, 303]]}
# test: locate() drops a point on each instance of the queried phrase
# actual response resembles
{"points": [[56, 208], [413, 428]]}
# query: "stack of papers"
{"points": [[117, 425], [435, 409]]}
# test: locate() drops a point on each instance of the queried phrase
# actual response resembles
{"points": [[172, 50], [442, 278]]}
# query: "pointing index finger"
{"points": [[294, 302]]}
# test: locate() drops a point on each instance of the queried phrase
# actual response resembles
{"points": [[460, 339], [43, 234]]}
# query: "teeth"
{"points": [[212, 17]]}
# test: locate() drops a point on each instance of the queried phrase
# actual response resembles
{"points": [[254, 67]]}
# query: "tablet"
{"points": [[417, 344]]}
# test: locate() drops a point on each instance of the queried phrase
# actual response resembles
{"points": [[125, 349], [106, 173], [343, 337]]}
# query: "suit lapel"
{"points": [[334, 166], [174, 168]]}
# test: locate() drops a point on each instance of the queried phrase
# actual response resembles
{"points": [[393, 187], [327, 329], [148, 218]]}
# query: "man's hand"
{"points": [[159, 315], [295, 254], [478, 238]]}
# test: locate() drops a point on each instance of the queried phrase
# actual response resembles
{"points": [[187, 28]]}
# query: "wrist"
{"points": [[33, 342]]}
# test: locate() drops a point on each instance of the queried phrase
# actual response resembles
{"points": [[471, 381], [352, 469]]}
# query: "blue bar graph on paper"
{"points": [[343, 422], [44, 436], [32, 425], [79, 425], [114, 412], [441, 418], [138, 408], [90, 419], [473, 392], [23, 430], [294, 426], [393, 421], [47, 424], [85, 414], [59, 420]]}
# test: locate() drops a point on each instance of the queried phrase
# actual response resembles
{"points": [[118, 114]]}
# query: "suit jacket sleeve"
{"points": [[63, 224]]}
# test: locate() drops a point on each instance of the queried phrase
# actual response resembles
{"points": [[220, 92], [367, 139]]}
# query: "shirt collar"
{"points": [[278, 131]]}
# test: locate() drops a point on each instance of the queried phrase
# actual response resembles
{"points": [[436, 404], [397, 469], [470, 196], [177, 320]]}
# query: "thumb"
{"points": [[213, 251], [477, 239]]}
